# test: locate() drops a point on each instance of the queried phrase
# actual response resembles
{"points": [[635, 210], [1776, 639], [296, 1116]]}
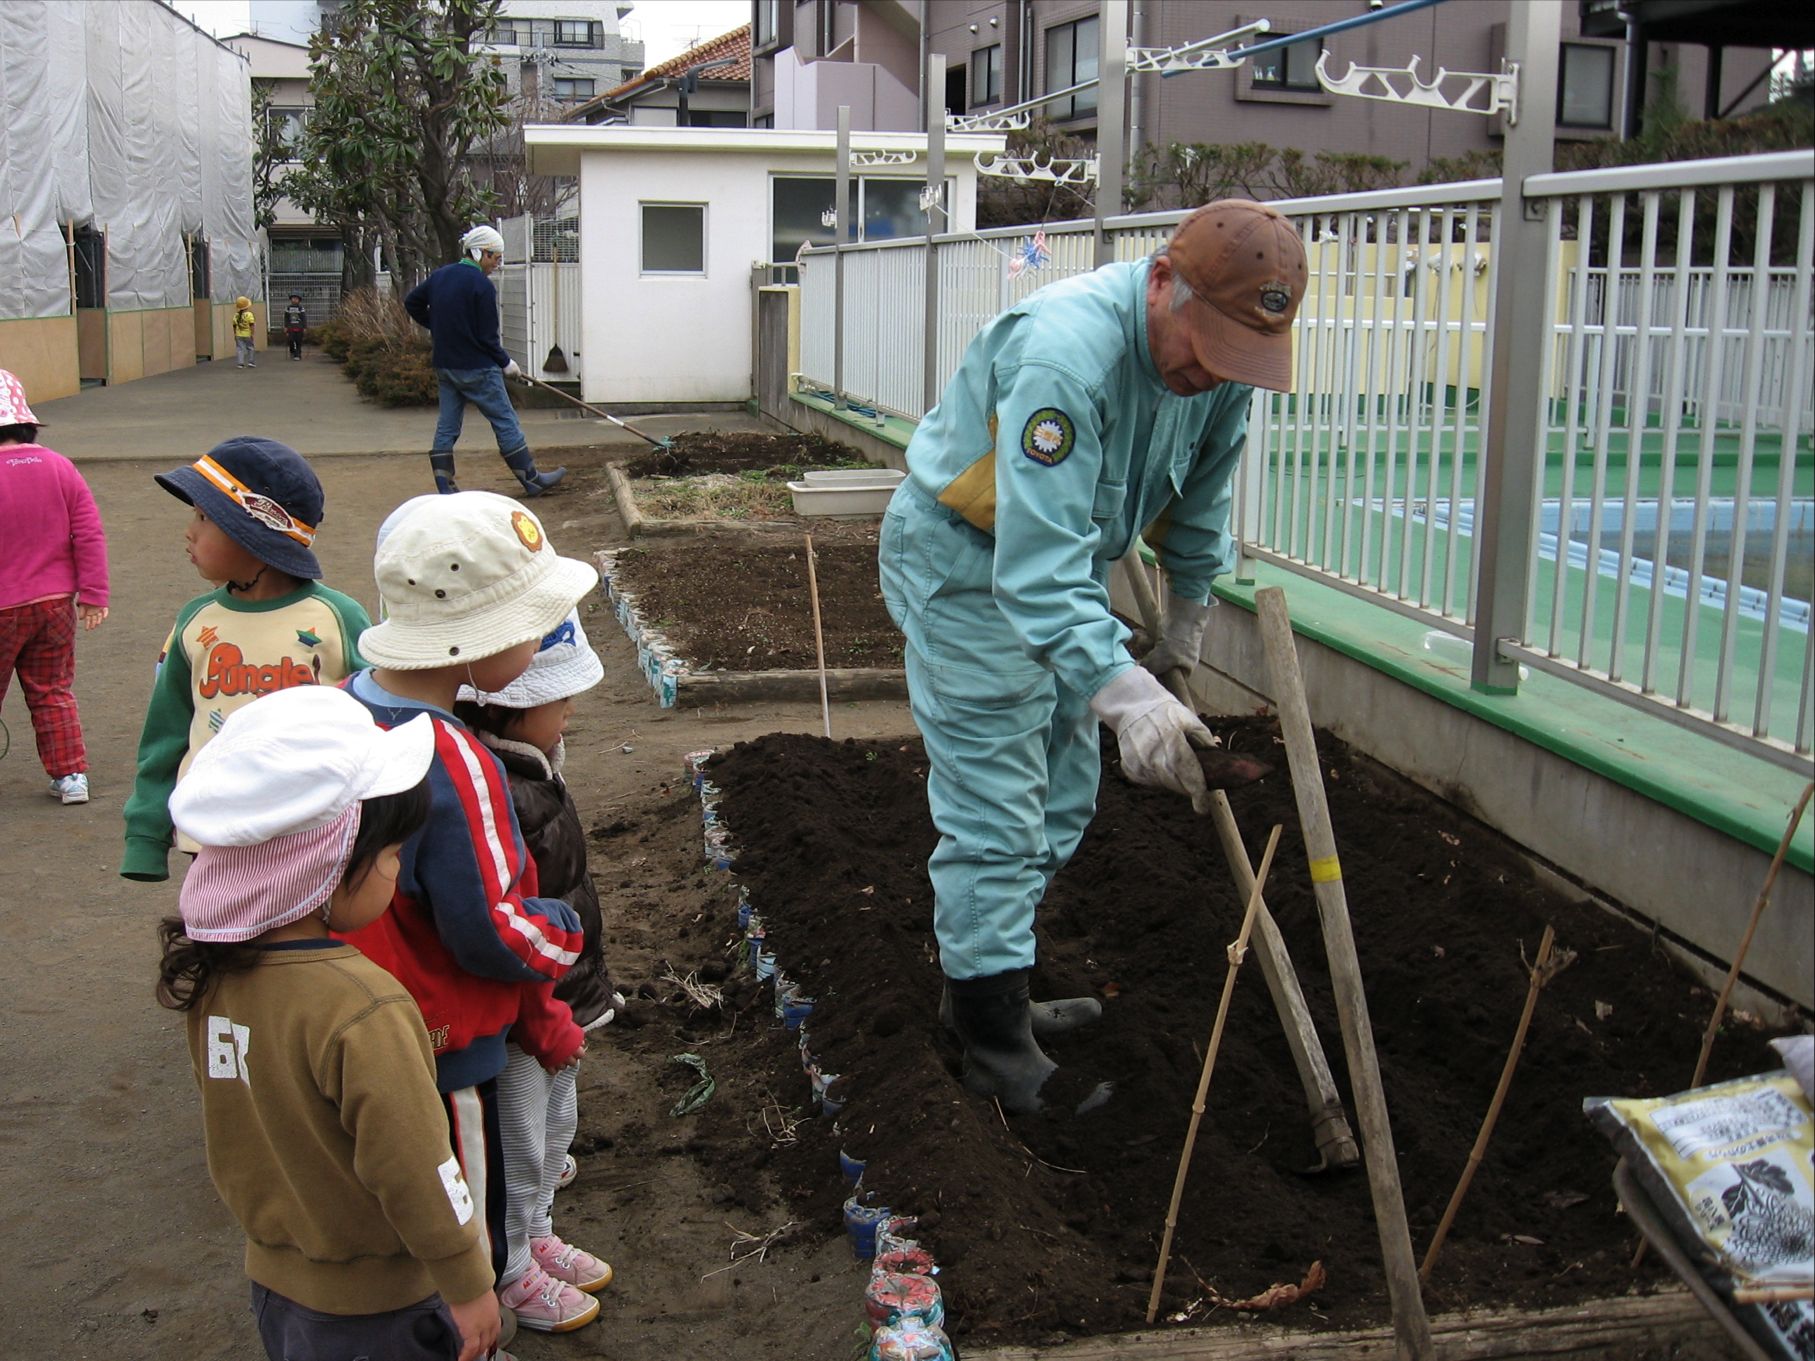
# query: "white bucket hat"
{"points": [[465, 578], [564, 666], [273, 801], [13, 410]]}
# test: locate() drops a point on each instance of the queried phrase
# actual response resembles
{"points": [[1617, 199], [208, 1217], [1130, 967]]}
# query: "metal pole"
{"points": [[935, 223], [1512, 454], [842, 213], [1112, 94]]}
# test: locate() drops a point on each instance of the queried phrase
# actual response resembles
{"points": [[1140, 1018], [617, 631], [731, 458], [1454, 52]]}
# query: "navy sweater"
{"points": [[460, 307]]}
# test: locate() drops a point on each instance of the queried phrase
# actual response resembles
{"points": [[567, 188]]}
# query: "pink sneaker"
{"points": [[545, 1305], [565, 1262]]}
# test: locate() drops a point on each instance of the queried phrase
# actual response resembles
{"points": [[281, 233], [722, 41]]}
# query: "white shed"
{"points": [[674, 222]]}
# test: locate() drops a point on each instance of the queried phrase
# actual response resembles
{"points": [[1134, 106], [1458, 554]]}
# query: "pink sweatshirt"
{"points": [[50, 529]]}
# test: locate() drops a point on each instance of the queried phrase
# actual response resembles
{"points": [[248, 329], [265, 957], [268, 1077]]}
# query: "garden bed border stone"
{"points": [[670, 676], [721, 854]]}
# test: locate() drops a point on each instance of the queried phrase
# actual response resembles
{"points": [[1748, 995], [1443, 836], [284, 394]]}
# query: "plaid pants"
{"points": [[39, 642]]}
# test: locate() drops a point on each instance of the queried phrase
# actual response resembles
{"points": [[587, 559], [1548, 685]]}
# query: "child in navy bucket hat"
{"points": [[268, 624]]}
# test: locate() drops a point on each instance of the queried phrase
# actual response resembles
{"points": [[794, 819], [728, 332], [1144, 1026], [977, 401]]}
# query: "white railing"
{"points": [[1688, 595], [1669, 579]]}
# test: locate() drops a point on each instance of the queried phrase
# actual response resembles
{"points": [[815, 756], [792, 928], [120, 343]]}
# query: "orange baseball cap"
{"points": [[1247, 266]]}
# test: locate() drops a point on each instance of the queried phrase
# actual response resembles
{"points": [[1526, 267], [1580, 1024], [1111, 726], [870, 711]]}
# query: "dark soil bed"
{"points": [[710, 451], [729, 603], [1049, 1227]]}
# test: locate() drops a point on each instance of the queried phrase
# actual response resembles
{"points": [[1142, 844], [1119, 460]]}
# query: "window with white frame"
{"points": [[564, 87], [1585, 76], [674, 238], [986, 76], [1071, 58]]}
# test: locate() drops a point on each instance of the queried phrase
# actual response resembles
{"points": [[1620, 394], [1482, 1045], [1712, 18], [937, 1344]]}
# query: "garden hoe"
{"points": [[603, 415], [1336, 1145]]}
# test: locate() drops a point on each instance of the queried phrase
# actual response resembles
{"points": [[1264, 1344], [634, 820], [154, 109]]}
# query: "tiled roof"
{"points": [[735, 44]]}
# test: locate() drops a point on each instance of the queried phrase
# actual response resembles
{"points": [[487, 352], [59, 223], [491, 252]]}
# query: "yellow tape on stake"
{"points": [[1326, 870]]}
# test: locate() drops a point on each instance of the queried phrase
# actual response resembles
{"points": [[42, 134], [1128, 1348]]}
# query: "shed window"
{"points": [[674, 238]]}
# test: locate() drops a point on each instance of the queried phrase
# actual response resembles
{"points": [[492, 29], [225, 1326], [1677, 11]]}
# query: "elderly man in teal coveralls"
{"points": [[1102, 407]]}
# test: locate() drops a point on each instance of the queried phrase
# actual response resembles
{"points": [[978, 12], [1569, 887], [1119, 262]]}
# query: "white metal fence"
{"points": [[1672, 560], [538, 300]]}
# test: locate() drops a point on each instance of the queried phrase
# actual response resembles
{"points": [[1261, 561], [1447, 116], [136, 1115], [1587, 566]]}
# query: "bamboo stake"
{"points": [[1542, 972], [1739, 958], [819, 642], [1236, 953], [1329, 1123], [1411, 1327]]}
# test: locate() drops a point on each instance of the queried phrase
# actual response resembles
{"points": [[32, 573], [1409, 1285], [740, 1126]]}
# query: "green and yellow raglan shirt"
{"points": [[223, 653]]}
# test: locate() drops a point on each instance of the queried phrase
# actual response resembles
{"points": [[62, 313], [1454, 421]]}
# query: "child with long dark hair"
{"points": [[326, 1136]]}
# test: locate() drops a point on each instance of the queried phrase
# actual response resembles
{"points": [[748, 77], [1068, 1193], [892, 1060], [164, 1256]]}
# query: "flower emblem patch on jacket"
{"points": [[1048, 436]]}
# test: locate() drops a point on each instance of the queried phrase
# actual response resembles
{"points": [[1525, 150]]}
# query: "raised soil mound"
{"points": [[1049, 1226]]}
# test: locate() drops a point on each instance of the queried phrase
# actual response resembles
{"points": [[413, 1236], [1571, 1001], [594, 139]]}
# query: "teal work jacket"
{"points": [[1057, 438]]}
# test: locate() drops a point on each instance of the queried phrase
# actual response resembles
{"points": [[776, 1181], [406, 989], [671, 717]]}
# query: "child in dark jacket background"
{"points": [[538, 1090]]}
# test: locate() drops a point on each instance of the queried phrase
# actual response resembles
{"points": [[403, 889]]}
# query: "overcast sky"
{"points": [[667, 27]]}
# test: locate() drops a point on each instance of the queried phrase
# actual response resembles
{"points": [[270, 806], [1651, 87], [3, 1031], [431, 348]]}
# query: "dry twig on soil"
{"points": [[749, 1245], [705, 996]]}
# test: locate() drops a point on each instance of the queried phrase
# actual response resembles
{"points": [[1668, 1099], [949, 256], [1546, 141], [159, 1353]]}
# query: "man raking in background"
{"points": [[459, 305], [1101, 407]]}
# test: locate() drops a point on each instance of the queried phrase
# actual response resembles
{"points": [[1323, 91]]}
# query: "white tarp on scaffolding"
{"points": [[124, 118]]}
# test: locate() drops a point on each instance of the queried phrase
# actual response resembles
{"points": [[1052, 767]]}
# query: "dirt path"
{"points": [[114, 1246]]}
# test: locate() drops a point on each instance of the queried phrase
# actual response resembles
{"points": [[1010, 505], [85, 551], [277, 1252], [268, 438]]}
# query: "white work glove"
{"points": [[513, 370], [1155, 734], [1181, 640]]}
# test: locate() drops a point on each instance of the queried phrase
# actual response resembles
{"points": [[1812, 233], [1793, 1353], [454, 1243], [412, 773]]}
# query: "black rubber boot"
{"points": [[1060, 1016], [523, 464], [995, 1026], [443, 466]]}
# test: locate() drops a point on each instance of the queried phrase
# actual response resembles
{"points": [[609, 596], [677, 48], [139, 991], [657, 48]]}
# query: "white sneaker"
{"points": [[71, 788]]}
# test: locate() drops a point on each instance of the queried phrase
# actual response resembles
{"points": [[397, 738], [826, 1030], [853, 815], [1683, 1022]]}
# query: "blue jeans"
{"points": [[484, 388]]}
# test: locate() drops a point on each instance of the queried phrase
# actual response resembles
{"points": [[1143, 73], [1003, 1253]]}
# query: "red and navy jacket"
{"points": [[465, 932]]}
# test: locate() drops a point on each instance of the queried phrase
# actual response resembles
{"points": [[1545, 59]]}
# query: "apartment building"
{"points": [[809, 56]]}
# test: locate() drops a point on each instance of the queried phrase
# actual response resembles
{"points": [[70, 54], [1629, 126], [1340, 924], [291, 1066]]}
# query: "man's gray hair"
{"points": [[1181, 291]]}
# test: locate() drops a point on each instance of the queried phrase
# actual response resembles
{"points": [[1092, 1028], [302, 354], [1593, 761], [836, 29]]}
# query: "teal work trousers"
{"points": [[1012, 754]]}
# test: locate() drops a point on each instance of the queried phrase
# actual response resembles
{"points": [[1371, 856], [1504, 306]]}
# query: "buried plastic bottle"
{"points": [[796, 1010], [851, 1168], [895, 1298], [910, 1340], [862, 1213], [892, 1237]]}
